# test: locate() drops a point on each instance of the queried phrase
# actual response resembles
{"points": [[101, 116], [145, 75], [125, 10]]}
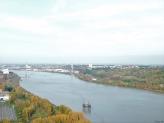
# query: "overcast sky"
{"points": [[82, 31]]}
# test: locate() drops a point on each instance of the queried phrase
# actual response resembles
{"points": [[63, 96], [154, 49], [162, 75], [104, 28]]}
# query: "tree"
{"points": [[6, 121]]}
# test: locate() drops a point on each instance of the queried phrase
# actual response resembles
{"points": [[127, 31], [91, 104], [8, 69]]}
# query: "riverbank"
{"points": [[30, 108], [108, 102], [127, 83], [145, 79], [33, 109]]}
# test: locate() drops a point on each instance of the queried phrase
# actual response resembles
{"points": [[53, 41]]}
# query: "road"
{"points": [[7, 112]]}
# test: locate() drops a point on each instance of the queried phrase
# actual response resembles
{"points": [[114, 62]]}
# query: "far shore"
{"points": [[81, 77]]}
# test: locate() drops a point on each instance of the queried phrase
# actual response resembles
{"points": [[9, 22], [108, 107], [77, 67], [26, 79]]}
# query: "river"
{"points": [[109, 104]]}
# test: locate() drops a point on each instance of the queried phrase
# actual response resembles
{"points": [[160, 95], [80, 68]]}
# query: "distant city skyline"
{"points": [[85, 31]]}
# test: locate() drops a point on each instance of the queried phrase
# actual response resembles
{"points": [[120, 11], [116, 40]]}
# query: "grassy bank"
{"points": [[33, 109], [30, 108], [147, 78]]}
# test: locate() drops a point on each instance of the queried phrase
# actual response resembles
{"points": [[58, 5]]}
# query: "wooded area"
{"points": [[33, 109], [142, 78]]}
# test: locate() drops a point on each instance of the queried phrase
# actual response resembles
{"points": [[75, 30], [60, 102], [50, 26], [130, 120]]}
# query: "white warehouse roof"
{"points": [[5, 71]]}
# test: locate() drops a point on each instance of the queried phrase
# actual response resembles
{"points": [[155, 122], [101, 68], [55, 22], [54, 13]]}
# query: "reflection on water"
{"points": [[87, 110]]}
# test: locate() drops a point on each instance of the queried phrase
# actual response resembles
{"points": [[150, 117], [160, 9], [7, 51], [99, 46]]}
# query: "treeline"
{"points": [[143, 78], [1, 86], [6, 86], [5, 121], [71, 117], [33, 109]]}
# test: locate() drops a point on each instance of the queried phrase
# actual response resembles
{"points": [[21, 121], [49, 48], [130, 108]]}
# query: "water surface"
{"points": [[109, 104]]}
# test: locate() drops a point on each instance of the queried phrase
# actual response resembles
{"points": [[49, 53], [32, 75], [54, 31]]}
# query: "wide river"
{"points": [[109, 104]]}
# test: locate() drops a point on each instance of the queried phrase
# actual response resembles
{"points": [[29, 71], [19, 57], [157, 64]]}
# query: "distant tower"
{"points": [[27, 68], [72, 69]]}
